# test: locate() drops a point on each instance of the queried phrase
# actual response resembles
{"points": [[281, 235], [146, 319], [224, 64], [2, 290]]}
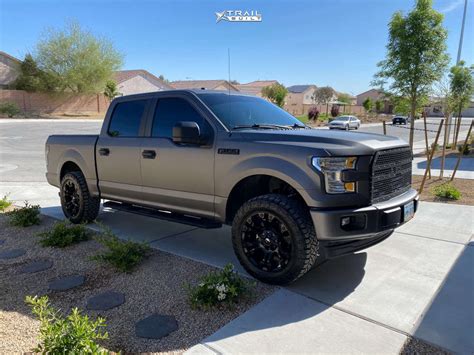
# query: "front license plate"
{"points": [[408, 211]]}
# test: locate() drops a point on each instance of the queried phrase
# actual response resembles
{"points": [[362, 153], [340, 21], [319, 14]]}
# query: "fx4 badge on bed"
{"points": [[228, 151]]}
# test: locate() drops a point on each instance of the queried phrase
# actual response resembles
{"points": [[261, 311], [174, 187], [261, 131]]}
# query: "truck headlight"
{"points": [[332, 168]]}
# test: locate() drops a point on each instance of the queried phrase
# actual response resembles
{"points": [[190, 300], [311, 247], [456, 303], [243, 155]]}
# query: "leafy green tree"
{"points": [[76, 61], [378, 105], [461, 86], [31, 78], [344, 98], [276, 93], [323, 95], [368, 104], [416, 54], [111, 90], [164, 79]]}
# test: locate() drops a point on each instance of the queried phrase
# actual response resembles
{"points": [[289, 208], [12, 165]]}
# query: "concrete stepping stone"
{"points": [[36, 266], [156, 326], [105, 301], [12, 253], [66, 283]]}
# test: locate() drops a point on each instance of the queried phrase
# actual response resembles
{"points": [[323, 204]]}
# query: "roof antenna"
{"points": [[228, 84]]}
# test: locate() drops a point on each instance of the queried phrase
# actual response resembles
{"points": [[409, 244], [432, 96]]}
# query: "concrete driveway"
{"points": [[419, 282]]}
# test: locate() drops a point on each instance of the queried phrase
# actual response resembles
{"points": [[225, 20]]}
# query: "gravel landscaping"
{"points": [[465, 186], [152, 294]]}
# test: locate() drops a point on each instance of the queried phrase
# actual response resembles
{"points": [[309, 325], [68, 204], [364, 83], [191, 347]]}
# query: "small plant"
{"points": [[25, 216], [215, 288], [123, 255], [313, 113], [447, 190], [9, 108], [464, 149], [63, 234], [5, 203], [74, 334]]}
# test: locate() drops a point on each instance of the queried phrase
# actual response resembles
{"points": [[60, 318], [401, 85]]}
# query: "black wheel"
{"points": [[77, 203], [274, 239], [347, 127]]}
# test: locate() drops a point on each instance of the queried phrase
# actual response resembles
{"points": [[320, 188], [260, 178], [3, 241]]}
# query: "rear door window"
{"points": [[126, 119]]}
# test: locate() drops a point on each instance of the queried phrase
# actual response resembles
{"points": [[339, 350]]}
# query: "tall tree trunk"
{"points": [[412, 122]]}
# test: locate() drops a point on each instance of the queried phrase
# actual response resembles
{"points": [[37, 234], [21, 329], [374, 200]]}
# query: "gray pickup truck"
{"points": [[295, 196]]}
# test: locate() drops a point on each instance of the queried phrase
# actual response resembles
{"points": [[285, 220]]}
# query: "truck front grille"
{"points": [[391, 174]]}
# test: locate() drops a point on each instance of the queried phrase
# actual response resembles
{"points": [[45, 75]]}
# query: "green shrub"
{"points": [[63, 234], [464, 149], [447, 190], [216, 288], [123, 255], [9, 108], [25, 216], [74, 334], [5, 203]]}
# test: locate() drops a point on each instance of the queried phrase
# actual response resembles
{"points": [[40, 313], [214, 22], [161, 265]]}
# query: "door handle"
{"points": [[149, 154], [104, 151]]}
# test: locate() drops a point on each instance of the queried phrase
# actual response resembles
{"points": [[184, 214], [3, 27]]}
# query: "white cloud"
{"points": [[451, 6]]}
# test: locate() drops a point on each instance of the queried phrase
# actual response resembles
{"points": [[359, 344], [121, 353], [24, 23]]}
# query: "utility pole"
{"points": [[461, 37], [462, 32]]}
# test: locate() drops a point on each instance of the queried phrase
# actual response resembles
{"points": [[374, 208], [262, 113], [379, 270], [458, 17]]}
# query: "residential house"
{"points": [[298, 96], [255, 87], [375, 95], [204, 85], [435, 108], [138, 81], [9, 70]]}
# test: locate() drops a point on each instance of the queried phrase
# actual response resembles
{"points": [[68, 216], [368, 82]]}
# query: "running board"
{"points": [[167, 216]]}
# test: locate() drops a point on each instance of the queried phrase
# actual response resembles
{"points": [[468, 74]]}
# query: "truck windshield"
{"points": [[236, 111]]}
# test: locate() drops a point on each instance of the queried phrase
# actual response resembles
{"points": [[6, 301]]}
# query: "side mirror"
{"points": [[187, 132]]}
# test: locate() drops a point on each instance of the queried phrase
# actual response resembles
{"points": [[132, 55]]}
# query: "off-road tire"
{"points": [[303, 236], [89, 205]]}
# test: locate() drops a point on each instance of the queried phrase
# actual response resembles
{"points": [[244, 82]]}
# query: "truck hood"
{"points": [[328, 141]]}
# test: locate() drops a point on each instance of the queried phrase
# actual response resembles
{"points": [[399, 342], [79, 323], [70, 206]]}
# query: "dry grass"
{"points": [[155, 286]]}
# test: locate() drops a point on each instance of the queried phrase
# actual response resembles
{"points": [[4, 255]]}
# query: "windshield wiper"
{"points": [[262, 126]]}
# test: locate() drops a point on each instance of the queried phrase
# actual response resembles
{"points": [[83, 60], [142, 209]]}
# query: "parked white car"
{"points": [[345, 122]]}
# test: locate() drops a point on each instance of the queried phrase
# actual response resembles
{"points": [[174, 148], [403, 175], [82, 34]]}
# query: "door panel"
{"points": [[118, 151], [179, 178], [119, 171]]}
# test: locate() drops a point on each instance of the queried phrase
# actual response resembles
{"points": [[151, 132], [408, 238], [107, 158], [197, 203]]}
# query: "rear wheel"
{"points": [[77, 204], [274, 239], [347, 127]]}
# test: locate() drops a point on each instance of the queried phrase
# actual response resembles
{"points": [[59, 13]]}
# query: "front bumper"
{"points": [[374, 224]]}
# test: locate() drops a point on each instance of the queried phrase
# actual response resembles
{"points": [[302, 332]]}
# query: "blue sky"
{"points": [[325, 42]]}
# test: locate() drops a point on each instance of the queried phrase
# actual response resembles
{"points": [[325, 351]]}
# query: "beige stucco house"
{"points": [[298, 96], [138, 81], [9, 69], [204, 85], [375, 95]]}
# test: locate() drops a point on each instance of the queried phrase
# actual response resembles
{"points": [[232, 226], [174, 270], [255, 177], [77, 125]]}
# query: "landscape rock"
{"points": [[12, 253], [66, 283], [156, 326], [36, 266], [105, 301]]}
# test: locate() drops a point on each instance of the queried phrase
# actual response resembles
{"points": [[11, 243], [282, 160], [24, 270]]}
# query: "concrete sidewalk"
{"points": [[418, 282]]}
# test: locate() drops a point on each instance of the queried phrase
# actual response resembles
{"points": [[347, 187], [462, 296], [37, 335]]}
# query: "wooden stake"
{"points": [[445, 143], [462, 150], [428, 163], [384, 128], [427, 145], [458, 127]]}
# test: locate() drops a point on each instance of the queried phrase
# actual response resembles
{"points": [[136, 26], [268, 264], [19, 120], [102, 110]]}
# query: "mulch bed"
{"points": [[156, 286], [465, 186]]}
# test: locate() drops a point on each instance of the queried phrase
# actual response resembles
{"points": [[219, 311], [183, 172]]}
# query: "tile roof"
{"points": [[2, 53], [199, 84], [298, 89], [124, 75], [260, 83]]}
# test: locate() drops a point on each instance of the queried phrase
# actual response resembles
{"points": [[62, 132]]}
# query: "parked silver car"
{"points": [[345, 122]]}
